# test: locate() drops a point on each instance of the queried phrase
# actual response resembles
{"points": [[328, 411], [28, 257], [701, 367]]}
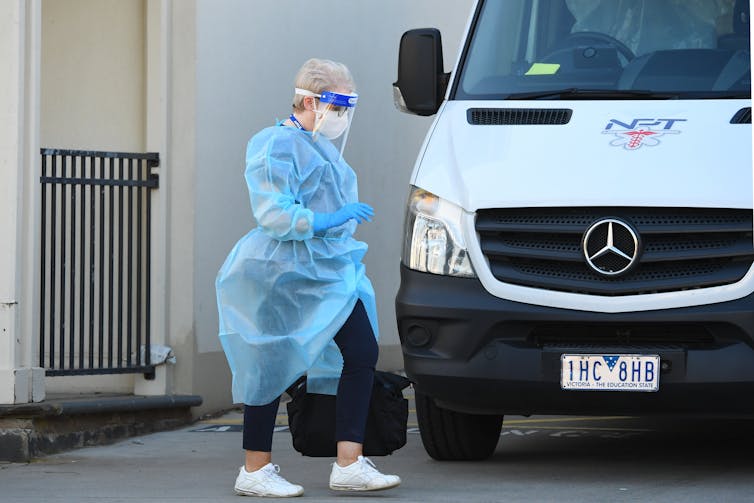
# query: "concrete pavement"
{"points": [[196, 463], [539, 459]]}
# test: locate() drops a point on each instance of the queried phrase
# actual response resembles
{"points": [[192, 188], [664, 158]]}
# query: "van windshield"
{"points": [[607, 49]]}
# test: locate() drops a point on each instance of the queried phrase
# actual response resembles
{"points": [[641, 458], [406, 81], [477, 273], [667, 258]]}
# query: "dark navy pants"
{"points": [[359, 349]]}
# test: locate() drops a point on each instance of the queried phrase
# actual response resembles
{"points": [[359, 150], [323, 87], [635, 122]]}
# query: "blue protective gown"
{"points": [[284, 291]]}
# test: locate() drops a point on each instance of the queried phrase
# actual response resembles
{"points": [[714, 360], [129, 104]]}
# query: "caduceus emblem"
{"points": [[637, 133], [636, 138]]}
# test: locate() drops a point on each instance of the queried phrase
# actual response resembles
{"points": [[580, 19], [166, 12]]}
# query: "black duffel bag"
{"points": [[311, 418]]}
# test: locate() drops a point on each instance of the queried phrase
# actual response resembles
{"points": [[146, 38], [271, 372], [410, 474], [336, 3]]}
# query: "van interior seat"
{"points": [[686, 70], [739, 39]]}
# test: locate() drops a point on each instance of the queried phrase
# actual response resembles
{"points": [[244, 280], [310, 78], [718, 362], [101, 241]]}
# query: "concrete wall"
{"points": [[93, 74], [11, 153], [20, 382], [183, 209], [12, 48], [247, 56], [93, 97]]}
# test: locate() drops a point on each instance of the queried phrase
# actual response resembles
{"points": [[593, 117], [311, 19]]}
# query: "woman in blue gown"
{"points": [[293, 296]]}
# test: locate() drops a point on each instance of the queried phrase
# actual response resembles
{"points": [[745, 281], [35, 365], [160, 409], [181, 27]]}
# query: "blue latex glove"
{"points": [[361, 212]]}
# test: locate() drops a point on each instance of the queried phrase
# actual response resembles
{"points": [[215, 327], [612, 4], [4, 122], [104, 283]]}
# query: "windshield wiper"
{"points": [[731, 95], [605, 94]]}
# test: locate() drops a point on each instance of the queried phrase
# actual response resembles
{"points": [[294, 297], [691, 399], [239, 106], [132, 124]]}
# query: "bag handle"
{"points": [[293, 388]]}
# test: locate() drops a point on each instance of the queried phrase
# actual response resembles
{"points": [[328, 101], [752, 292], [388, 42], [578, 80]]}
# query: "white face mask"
{"points": [[332, 126]]}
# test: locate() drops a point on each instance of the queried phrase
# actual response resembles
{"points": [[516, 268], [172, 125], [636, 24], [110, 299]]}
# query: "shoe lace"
{"points": [[368, 466], [273, 473]]}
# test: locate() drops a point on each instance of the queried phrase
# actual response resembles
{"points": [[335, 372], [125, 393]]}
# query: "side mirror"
{"points": [[421, 83]]}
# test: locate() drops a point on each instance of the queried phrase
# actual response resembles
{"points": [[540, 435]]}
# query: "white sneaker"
{"points": [[265, 482], [361, 476]]}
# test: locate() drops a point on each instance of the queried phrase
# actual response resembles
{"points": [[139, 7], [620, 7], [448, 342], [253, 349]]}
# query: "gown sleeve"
{"points": [[271, 176]]}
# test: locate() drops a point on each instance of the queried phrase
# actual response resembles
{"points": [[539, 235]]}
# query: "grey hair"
{"points": [[317, 75]]}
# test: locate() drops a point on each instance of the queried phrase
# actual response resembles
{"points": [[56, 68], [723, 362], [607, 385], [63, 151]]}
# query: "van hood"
{"points": [[677, 153]]}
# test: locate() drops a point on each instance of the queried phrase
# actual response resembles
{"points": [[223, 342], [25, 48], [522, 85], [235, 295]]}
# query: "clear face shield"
{"points": [[334, 114]]}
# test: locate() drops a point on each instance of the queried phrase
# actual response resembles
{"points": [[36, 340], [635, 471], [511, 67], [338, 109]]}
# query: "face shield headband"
{"points": [[333, 115]]}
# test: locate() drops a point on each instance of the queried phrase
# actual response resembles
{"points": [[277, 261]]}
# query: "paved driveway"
{"points": [[538, 459]]}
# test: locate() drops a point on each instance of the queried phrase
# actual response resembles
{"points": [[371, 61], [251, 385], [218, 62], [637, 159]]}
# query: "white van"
{"points": [[578, 235]]}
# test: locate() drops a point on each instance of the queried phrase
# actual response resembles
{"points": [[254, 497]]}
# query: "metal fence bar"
{"points": [[53, 234], [149, 178], [94, 293], [82, 263], [63, 226], [92, 269], [139, 167], [43, 257], [129, 294], [111, 268], [101, 294], [120, 263], [72, 268]]}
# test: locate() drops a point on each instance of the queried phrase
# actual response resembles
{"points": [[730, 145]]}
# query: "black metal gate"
{"points": [[95, 262]]}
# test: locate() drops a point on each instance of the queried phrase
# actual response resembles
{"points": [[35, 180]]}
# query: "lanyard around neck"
{"points": [[296, 123]]}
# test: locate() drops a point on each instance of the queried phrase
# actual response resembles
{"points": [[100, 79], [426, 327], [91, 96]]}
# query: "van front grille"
{"points": [[681, 248]]}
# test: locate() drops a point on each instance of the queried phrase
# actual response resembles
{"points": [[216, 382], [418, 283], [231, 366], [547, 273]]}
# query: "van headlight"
{"points": [[434, 241]]}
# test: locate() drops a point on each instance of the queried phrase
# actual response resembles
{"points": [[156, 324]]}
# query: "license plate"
{"points": [[610, 372]]}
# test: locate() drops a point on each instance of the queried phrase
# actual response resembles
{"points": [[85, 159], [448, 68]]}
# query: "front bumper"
{"points": [[476, 353]]}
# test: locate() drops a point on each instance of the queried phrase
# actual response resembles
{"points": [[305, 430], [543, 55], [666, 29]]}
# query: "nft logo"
{"points": [[637, 133]]}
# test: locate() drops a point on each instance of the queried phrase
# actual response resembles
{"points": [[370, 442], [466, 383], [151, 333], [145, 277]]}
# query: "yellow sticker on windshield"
{"points": [[543, 69]]}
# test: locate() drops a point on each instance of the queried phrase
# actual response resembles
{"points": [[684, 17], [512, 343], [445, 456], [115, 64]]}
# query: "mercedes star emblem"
{"points": [[610, 246]]}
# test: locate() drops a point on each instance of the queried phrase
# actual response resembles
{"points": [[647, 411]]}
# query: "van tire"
{"points": [[454, 436]]}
